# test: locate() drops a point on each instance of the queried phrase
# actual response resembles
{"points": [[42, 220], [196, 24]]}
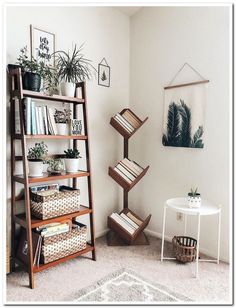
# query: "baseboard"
{"points": [[169, 239], [101, 233]]}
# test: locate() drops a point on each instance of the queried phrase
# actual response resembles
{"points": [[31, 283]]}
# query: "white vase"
{"points": [[194, 202], [72, 164], [68, 89], [35, 168], [62, 129]]}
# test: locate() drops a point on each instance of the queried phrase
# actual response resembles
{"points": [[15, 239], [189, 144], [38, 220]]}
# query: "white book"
{"points": [[121, 222], [136, 220], [137, 166], [27, 102], [52, 121], [126, 172], [130, 221], [122, 124], [41, 124], [38, 131], [122, 175], [45, 120], [125, 221], [132, 165], [125, 121], [134, 173]]}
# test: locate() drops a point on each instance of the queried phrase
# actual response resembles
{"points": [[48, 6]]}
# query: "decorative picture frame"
{"points": [[104, 71], [75, 127], [42, 44]]}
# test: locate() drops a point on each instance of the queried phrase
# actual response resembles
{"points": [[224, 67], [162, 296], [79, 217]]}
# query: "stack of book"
{"points": [[129, 170], [127, 120], [39, 120], [127, 221], [53, 229]]}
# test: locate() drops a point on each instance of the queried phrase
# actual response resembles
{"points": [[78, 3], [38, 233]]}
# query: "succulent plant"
{"points": [[72, 153]]}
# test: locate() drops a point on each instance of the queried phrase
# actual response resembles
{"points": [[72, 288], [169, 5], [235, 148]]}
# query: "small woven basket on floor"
{"points": [[184, 248], [62, 203], [65, 244]]}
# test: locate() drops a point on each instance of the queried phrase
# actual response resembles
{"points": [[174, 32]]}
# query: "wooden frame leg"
{"points": [[163, 234], [198, 238], [218, 243], [185, 224]]}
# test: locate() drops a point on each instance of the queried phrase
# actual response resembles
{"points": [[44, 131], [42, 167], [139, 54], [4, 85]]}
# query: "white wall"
{"points": [[105, 32], [162, 39]]}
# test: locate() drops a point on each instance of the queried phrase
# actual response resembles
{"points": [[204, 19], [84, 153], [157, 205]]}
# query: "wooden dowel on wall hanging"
{"points": [[186, 84]]}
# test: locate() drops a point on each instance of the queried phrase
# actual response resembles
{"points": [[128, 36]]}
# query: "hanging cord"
{"points": [[182, 69], [104, 61]]}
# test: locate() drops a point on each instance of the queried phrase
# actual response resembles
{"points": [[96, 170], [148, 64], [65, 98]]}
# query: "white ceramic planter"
{"points": [[35, 168], [194, 202], [68, 89], [62, 129], [72, 164]]}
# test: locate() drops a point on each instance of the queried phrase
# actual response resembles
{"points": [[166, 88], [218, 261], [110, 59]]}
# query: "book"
{"points": [[125, 221], [33, 119], [135, 174], [132, 165], [37, 120], [132, 217], [121, 222], [131, 119], [51, 229], [27, 103], [17, 117], [51, 120], [123, 175], [122, 124], [39, 252], [38, 188], [57, 232], [130, 221], [41, 124], [22, 249], [124, 121], [125, 172], [45, 120]]}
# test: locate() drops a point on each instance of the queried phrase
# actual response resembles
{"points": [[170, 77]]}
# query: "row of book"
{"points": [[128, 169], [127, 221], [39, 120], [128, 120]]}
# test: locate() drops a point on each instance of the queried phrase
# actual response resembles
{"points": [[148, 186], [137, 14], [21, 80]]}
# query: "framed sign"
{"points": [[42, 45], [104, 73]]}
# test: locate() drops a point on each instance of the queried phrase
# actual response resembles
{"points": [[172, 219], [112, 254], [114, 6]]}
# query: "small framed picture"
{"points": [[75, 127], [42, 45], [104, 74]]}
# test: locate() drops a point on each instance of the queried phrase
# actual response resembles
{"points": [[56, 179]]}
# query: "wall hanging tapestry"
{"points": [[184, 106], [104, 73], [42, 45]]}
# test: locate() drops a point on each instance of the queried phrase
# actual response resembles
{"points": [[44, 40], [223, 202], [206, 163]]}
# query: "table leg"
{"points": [[218, 244], [163, 234], [198, 238], [185, 224]]}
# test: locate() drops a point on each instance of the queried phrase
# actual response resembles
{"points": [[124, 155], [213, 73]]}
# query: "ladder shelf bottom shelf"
{"points": [[35, 222]]}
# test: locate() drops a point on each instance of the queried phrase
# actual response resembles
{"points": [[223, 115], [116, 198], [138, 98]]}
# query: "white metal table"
{"points": [[180, 205]]}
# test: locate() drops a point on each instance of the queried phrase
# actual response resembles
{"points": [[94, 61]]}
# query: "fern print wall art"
{"points": [[184, 116]]}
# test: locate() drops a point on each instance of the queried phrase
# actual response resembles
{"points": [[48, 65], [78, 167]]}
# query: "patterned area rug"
{"points": [[125, 286]]}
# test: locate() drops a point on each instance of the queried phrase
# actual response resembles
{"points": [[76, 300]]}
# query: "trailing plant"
{"points": [[38, 152], [72, 153], [62, 116], [73, 67]]}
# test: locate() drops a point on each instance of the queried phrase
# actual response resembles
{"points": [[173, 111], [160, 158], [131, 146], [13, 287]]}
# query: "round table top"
{"points": [[181, 205]]}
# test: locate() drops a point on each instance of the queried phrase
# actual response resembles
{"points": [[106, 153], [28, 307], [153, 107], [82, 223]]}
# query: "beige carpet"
{"points": [[65, 280]]}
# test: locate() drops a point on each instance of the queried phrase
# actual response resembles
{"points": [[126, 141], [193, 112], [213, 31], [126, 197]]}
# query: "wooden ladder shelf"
{"points": [[26, 220]]}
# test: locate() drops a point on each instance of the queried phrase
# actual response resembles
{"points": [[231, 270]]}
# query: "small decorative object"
{"points": [[184, 113], [72, 160], [32, 71], [72, 69], [76, 127], [36, 157], [55, 166], [194, 198], [62, 119], [185, 248], [104, 73], [42, 45]]}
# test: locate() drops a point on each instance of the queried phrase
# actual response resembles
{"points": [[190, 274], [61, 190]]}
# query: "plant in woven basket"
{"points": [[36, 158], [194, 198], [56, 165], [72, 160]]}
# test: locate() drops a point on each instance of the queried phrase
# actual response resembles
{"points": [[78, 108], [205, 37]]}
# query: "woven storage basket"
{"points": [[62, 245], [184, 248], [64, 202]]}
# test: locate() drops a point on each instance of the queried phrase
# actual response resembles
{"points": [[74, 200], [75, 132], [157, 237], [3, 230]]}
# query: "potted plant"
{"points": [[62, 119], [32, 71], [194, 198], [72, 69], [72, 160], [36, 156], [55, 166]]}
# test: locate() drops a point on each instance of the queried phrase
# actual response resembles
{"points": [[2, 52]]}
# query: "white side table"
{"points": [[181, 205]]}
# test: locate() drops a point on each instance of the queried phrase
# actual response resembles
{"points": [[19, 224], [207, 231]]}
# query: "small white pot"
{"points": [[35, 168], [72, 164], [62, 129], [194, 202], [68, 89]]}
